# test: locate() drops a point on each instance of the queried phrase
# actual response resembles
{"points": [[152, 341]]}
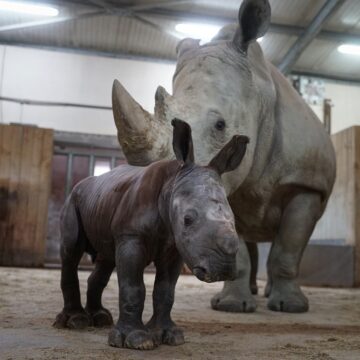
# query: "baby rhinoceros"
{"points": [[168, 212]]}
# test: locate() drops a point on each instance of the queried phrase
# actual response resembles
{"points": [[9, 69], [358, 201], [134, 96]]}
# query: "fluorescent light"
{"points": [[204, 32], [28, 8], [349, 49]]}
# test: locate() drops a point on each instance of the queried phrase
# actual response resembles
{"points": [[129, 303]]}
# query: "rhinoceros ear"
{"points": [[162, 100], [254, 21], [185, 45], [182, 141], [230, 156]]}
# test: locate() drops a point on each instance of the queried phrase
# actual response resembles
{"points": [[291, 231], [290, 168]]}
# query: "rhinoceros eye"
{"points": [[220, 125], [188, 220]]}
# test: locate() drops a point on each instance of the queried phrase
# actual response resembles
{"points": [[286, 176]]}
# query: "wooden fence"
{"points": [[25, 164]]}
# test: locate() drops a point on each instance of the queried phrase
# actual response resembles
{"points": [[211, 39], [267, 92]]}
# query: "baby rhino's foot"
{"points": [[169, 336], [73, 320], [134, 339], [101, 317]]}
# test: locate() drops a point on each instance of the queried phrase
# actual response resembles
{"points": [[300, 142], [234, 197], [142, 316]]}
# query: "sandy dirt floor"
{"points": [[30, 299]]}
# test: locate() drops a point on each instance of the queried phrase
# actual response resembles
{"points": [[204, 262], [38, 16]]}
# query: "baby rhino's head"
{"points": [[202, 221]]}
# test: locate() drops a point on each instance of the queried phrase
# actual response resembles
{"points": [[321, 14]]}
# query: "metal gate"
{"points": [[76, 156]]}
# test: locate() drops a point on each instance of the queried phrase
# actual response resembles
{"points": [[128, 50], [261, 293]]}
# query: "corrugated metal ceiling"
{"points": [[113, 33]]}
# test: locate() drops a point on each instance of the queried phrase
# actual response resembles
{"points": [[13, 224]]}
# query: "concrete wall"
{"points": [[64, 77], [56, 76], [346, 105]]}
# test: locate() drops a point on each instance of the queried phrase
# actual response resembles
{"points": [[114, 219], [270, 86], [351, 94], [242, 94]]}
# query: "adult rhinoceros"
{"points": [[280, 191]]}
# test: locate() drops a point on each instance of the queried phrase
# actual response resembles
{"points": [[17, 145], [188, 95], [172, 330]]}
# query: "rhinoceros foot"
{"points": [[233, 301], [135, 339], [101, 317], [287, 296], [72, 320], [170, 336]]}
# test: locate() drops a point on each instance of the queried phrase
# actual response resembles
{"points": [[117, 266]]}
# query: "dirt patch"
{"points": [[30, 300]]}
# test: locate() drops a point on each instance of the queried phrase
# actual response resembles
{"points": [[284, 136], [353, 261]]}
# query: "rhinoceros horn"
{"points": [[143, 137]]}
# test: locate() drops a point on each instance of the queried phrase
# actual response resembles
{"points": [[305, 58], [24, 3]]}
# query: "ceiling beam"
{"points": [[327, 76], [155, 10], [177, 16], [106, 10], [291, 57], [133, 12], [90, 52], [336, 36], [55, 20]]}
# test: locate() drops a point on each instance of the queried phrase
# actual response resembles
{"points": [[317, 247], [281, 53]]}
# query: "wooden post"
{"points": [[25, 168]]}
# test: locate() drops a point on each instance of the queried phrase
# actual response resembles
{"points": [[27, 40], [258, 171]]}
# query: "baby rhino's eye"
{"points": [[190, 217], [188, 220]]}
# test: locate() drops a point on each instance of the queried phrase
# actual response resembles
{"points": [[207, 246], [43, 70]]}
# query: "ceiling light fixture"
{"points": [[349, 49], [28, 8], [204, 32]]}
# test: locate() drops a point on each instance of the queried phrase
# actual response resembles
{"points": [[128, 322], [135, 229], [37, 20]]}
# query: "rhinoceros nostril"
{"points": [[200, 272]]}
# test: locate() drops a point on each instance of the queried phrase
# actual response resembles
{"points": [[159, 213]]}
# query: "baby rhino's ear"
{"points": [[182, 141], [231, 155]]}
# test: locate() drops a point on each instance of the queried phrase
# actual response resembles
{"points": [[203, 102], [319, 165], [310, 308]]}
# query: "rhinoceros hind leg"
{"points": [[73, 315], [72, 320], [101, 318], [236, 295], [297, 224], [97, 282]]}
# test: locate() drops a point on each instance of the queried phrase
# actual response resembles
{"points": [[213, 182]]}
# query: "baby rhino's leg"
{"points": [[73, 315], [163, 329], [96, 284], [130, 331]]}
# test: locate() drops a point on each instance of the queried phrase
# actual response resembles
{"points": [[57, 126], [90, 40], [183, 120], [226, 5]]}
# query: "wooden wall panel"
{"points": [[337, 223], [341, 220], [25, 161], [356, 202]]}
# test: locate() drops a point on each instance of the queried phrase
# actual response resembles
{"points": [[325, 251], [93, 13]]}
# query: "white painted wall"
{"points": [[64, 77], [56, 76], [346, 105]]}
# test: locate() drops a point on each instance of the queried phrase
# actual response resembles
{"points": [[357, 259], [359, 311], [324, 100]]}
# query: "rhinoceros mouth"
{"points": [[205, 276]]}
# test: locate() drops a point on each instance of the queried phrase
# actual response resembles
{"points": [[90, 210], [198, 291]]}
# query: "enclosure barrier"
{"points": [[25, 163]]}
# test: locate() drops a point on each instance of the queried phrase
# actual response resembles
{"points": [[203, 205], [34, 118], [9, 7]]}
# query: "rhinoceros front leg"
{"points": [[130, 331], [254, 260], [297, 224], [236, 295], [163, 329]]}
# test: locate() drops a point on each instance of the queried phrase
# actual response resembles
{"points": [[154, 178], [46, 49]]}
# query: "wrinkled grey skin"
{"points": [[281, 189], [165, 213]]}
